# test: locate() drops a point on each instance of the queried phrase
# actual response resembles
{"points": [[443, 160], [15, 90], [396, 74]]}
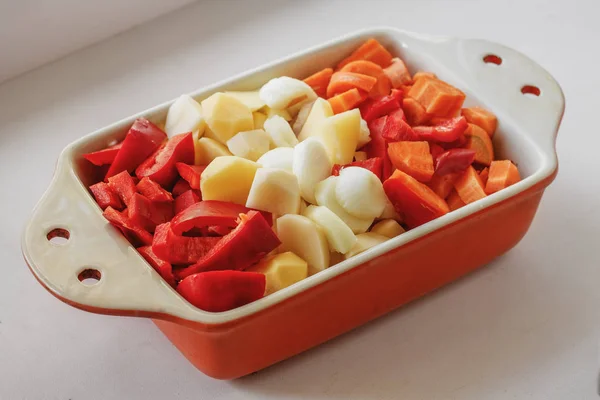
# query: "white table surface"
{"points": [[525, 327]]}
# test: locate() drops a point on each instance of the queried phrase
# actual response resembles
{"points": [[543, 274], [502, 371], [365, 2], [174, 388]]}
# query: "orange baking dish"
{"points": [[529, 105]]}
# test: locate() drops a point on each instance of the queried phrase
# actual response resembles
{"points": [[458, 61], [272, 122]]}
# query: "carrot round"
{"points": [[347, 100], [479, 141], [469, 186], [415, 202], [343, 81], [482, 118], [413, 158], [502, 174], [319, 81], [383, 85], [371, 50]]}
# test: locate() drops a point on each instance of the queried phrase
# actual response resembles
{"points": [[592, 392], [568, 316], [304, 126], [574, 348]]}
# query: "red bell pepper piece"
{"points": [[186, 200], [396, 129], [375, 165], [133, 232], [177, 249], [104, 156], [445, 132], [250, 241], [219, 230], [105, 197], [377, 147], [163, 268], [153, 191], [211, 213], [123, 185], [454, 160], [148, 214], [160, 166], [460, 142], [142, 139], [436, 150], [181, 186], [218, 291], [375, 108], [191, 173]]}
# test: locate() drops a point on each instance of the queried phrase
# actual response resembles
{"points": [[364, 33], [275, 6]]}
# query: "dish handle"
{"points": [[84, 261]]}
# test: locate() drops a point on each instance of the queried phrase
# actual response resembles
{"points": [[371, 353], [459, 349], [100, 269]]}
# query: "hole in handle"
{"points": [[58, 236], [492, 59], [531, 90], [89, 276]]}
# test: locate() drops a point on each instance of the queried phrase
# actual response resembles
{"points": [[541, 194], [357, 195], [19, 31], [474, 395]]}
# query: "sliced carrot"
{"points": [[413, 158], [439, 98], [405, 88], [482, 118], [319, 81], [415, 202], [415, 112], [454, 201], [483, 174], [398, 73], [347, 100], [343, 81], [469, 186], [502, 174], [479, 140], [422, 74], [371, 50], [383, 85], [442, 185]]}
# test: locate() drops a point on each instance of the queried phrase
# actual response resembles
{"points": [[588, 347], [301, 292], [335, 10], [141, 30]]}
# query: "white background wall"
{"points": [[34, 32]]}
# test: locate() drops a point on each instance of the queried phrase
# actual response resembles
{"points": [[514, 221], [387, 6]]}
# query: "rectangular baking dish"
{"points": [[235, 343]]}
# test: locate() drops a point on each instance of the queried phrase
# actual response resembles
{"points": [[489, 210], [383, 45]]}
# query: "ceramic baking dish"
{"points": [[235, 343]]}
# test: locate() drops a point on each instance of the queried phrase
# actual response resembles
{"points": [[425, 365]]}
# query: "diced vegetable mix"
{"points": [[250, 192]]}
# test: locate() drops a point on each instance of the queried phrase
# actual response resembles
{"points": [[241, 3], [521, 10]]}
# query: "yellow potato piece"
{"points": [[305, 238], [282, 113], [365, 241], [250, 99], [319, 112], [388, 227], [340, 136], [207, 149], [249, 144], [225, 116], [281, 270], [259, 120], [228, 178]]}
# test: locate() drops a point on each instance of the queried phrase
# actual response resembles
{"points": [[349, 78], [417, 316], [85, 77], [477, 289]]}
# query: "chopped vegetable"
{"points": [[218, 291], [186, 200], [469, 186], [454, 160], [191, 173], [160, 167], [416, 203], [153, 191], [123, 185], [397, 73], [415, 112], [105, 196], [371, 50], [347, 100], [177, 249], [375, 108], [344, 81], [482, 118], [164, 269], [438, 98], [375, 165], [448, 131], [133, 232], [479, 141], [104, 156], [148, 214], [502, 174], [413, 158], [142, 139], [397, 129], [319, 81], [382, 86], [377, 147], [251, 240]]}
